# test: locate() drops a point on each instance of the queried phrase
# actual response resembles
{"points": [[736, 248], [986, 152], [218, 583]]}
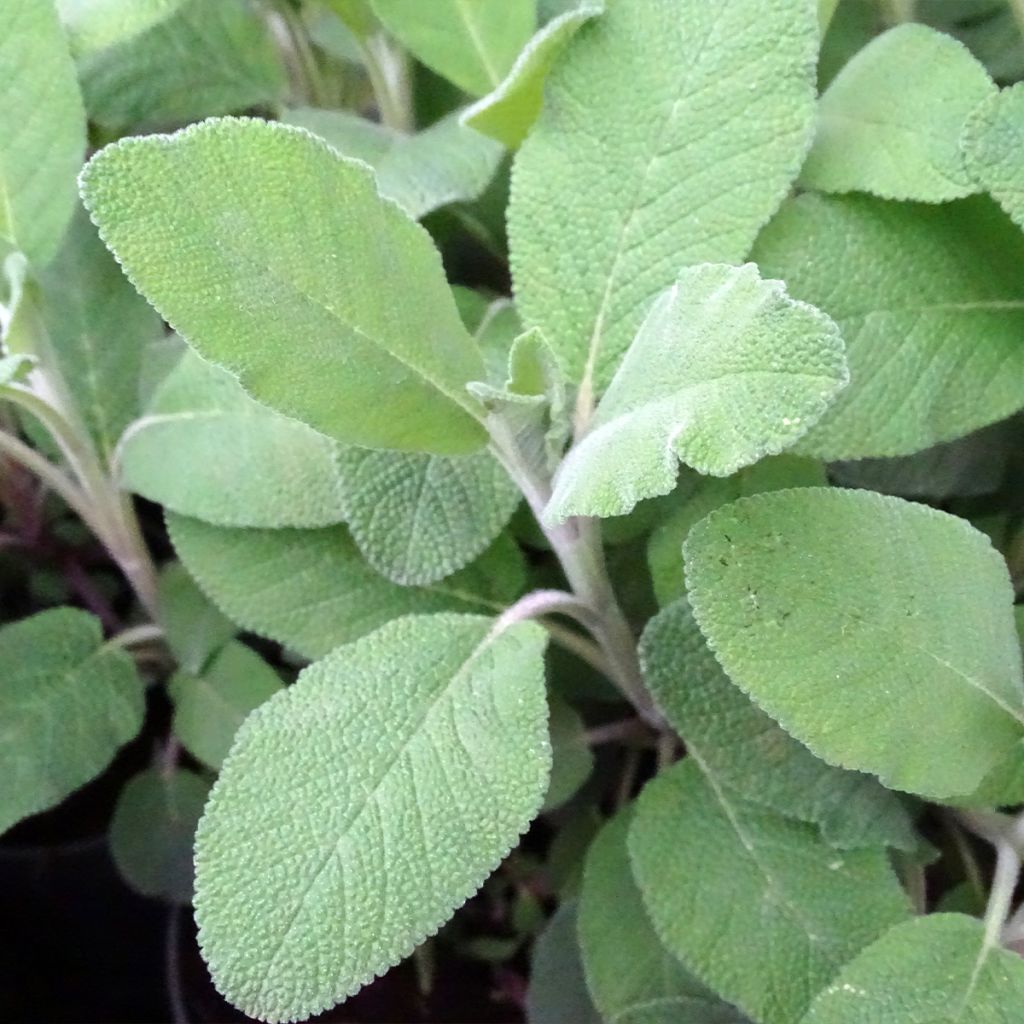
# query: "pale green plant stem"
{"points": [[1004, 882], [136, 636], [577, 545], [899, 11], [387, 69], [313, 80]]}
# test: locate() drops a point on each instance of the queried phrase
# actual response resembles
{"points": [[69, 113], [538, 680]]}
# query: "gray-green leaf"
{"points": [[725, 370], [445, 163], [278, 259], [938, 969], [205, 448], [470, 42], [210, 706], [311, 590], [751, 755], [671, 132], [42, 129], [572, 760], [742, 895], [419, 518], [647, 985], [992, 142], [93, 25], [878, 632], [195, 628], [361, 806], [66, 703], [891, 120], [558, 992], [206, 58], [510, 110], [152, 830], [930, 306]]}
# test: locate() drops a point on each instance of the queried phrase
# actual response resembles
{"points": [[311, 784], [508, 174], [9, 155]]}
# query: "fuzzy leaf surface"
{"points": [[558, 991], [152, 831], [937, 969], [992, 140], [205, 59], [277, 259], [930, 306], [93, 25], [97, 328], [422, 754], [855, 620], [725, 369], [311, 589], [195, 628], [741, 894], [891, 120], [207, 449], [472, 43], [67, 705], [671, 132], [42, 129], [750, 754], [211, 705], [572, 760], [445, 163], [419, 518], [509, 111], [649, 985]]}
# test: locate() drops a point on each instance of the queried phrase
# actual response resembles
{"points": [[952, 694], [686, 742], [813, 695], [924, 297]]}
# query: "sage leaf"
{"points": [[708, 864], [671, 132], [509, 111], [419, 518], [470, 43], [152, 830], [991, 140], [725, 370], [228, 226], [930, 308], [195, 629], [97, 327], [67, 704], [422, 751], [206, 58], [749, 754], [938, 968], [210, 706], [665, 546], [207, 449], [890, 122], [650, 985], [93, 25], [445, 163], [42, 130], [558, 992], [311, 589], [852, 618], [572, 760]]}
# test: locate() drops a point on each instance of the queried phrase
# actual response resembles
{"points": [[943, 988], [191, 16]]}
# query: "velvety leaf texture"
{"points": [[195, 629], [418, 518], [211, 705], [991, 142], [93, 25], [97, 329], [42, 129], [854, 618], [206, 58], [67, 704], [360, 807], [747, 752], [509, 111], [890, 122], [445, 163], [726, 369], [648, 985], [665, 546], [152, 830], [930, 306], [205, 448], [671, 131], [472, 44], [572, 760], [311, 590], [251, 238], [558, 992], [743, 895], [936, 969]]}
